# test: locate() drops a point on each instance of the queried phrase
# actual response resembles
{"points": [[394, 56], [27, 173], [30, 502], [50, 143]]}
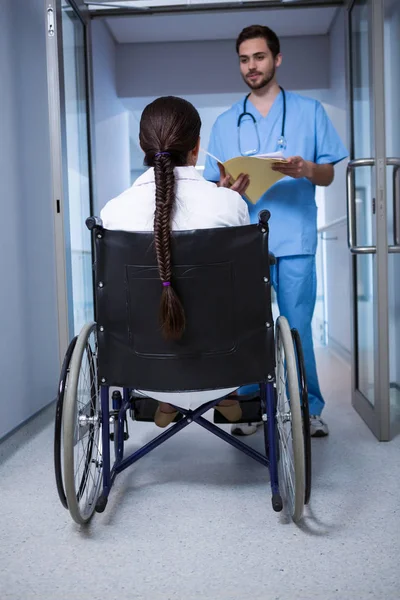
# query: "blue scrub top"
{"points": [[310, 134]]}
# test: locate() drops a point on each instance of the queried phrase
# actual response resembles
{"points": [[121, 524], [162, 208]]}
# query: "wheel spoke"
{"points": [[289, 465], [287, 453]]}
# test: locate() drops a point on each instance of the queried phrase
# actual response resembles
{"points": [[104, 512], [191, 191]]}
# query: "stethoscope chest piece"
{"points": [[281, 142]]}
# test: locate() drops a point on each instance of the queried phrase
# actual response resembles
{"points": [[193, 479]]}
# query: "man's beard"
{"points": [[263, 83]]}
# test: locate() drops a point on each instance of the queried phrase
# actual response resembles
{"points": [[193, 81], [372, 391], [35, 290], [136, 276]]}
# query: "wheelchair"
{"points": [[223, 279]]}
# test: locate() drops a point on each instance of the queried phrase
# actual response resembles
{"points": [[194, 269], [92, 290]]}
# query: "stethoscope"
{"points": [[281, 143]]}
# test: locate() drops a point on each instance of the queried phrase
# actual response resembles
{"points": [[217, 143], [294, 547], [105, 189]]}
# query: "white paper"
{"points": [[278, 154], [211, 155]]}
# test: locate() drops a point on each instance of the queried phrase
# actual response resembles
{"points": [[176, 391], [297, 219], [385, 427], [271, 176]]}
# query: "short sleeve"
{"points": [[243, 213], [233, 210], [105, 215], [211, 170], [329, 147]]}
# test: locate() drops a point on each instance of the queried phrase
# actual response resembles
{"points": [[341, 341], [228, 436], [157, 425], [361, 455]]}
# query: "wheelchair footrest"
{"points": [[251, 411], [145, 409]]}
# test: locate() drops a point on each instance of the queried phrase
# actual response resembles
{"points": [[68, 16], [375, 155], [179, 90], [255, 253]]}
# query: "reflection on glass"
{"points": [[77, 197], [365, 328], [319, 322], [363, 148], [392, 108]]}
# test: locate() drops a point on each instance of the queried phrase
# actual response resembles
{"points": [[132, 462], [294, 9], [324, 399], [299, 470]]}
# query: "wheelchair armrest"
{"points": [[263, 218], [272, 259]]}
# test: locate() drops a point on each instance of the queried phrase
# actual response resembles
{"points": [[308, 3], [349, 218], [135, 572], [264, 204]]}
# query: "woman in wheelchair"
{"points": [[172, 195]]}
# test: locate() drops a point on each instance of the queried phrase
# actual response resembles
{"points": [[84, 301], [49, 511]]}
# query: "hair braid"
{"points": [[169, 130], [172, 315]]}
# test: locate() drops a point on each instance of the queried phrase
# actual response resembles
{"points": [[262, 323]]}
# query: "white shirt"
{"points": [[199, 204]]}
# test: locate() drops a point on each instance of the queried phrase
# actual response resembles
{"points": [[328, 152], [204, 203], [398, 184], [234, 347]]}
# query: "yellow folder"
{"points": [[259, 170]]}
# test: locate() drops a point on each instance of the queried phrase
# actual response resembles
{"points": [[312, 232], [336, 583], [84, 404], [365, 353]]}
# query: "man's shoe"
{"points": [[318, 427], [245, 428]]}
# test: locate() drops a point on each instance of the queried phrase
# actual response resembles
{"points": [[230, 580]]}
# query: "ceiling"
{"points": [[114, 6], [218, 25]]}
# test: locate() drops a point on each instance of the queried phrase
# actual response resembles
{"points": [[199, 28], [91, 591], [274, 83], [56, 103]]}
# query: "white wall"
{"points": [[190, 68], [13, 354], [207, 74], [337, 253], [111, 120], [29, 365]]}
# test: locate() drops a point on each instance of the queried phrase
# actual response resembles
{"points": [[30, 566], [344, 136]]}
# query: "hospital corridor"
{"points": [[117, 119]]}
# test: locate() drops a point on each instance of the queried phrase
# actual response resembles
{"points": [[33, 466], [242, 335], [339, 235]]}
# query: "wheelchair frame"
{"points": [[121, 404], [77, 418], [189, 416]]}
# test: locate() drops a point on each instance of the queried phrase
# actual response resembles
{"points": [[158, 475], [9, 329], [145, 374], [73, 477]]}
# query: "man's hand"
{"points": [[297, 167], [240, 185]]}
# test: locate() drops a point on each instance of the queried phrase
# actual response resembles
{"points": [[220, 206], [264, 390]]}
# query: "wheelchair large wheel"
{"points": [[289, 422], [305, 412], [58, 423], [83, 464]]}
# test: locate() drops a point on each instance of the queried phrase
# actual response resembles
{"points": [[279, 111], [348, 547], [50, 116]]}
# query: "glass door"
{"points": [[372, 186], [392, 133], [67, 44]]}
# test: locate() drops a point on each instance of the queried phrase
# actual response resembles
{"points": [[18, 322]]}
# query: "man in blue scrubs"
{"points": [[309, 141]]}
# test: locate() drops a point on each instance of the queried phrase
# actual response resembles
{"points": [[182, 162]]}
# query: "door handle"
{"points": [[395, 163], [351, 206]]}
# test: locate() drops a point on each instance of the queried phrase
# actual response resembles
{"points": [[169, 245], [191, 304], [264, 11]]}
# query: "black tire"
{"points": [[289, 422], [58, 423], [83, 464], [305, 412]]}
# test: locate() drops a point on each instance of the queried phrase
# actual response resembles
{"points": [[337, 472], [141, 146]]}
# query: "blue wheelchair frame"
{"points": [[270, 460]]}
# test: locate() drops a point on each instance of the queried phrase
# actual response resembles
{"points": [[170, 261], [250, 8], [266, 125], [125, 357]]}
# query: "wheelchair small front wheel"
{"points": [[83, 462], [289, 422]]}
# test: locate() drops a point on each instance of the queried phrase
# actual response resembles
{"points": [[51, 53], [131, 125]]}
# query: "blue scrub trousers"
{"points": [[295, 282]]}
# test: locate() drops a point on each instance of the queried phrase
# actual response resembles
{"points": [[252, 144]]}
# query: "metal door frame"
{"points": [[377, 417], [58, 148]]}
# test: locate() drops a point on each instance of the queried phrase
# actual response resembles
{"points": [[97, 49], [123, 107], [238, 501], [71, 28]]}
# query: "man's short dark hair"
{"points": [[260, 31]]}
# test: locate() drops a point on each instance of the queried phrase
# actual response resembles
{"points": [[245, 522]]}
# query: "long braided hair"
{"points": [[169, 130]]}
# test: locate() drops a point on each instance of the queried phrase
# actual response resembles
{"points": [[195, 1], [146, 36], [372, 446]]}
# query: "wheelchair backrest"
{"points": [[223, 280]]}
